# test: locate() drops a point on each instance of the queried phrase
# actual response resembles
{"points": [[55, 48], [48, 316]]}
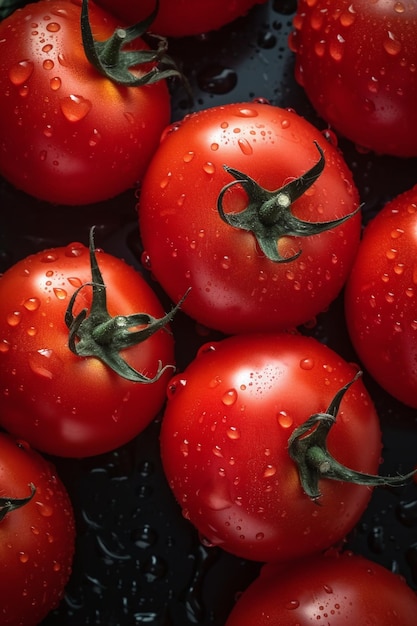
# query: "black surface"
{"points": [[137, 560]]}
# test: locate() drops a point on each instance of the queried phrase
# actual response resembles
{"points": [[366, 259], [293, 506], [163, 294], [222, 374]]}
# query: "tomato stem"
{"points": [[111, 58], [307, 447], [268, 214], [97, 334], [10, 504]]}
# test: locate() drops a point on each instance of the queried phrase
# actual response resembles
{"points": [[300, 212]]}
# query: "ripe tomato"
{"points": [[37, 535], [362, 84], [224, 445], [189, 204], [87, 403], [69, 134], [333, 589], [380, 298], [179, 18]]}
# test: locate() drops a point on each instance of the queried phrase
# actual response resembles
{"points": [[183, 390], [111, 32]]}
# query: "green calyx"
{"points": [[307, 447], [111, 58], [96, 333], [268, 215], [11, 504]]}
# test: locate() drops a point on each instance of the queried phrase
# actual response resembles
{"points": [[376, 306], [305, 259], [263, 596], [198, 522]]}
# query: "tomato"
{"points": [[37, 534], [281, 177], [73, 382], [69, 134], [179, 18], [380, 298], [333, 589], [224, 445], [364, 85]]}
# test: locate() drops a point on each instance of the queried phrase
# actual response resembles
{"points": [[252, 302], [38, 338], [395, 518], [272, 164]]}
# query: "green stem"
{"points": [[11, 504], [307, 446]]}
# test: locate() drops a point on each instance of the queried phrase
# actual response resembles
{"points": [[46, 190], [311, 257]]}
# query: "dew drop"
{"points": [[4, 346], [307, 363], [48, 64], [246, 112], [245, 147], [55, 83], [285, 420], [188, 156], [74, 250], [21, 72], [392, 45], [44, 509], [53, 27], [60, 293], [233, 433], [269, 471], [32, 304], [292, 605], [49, 257], [14, 318], [399, 7], [217, 79], [75, 108], [42, 363], [229, 398], [23, 557], [209, 168]]}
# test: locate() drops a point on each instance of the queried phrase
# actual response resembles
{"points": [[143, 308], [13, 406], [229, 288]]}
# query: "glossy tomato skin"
{"points": [[180, 18], [59, 402], [224, 445], [334, 589], [234, 286], [68, 134], [364, 86], [36, 540], [380, 298]]}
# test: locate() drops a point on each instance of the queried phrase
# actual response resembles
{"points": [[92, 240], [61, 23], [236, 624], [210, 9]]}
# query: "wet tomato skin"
{"points": [[380, 298], [334, 588], [68, 134], [62, 403], [364, 86], [234, 286], [224, 445], [36, 540]]}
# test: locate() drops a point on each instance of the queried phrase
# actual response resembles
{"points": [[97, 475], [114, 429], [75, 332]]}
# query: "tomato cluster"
{"points": [[245, 225]]}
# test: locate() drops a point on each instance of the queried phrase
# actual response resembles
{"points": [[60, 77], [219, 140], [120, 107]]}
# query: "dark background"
{"points": [[137, 560]]}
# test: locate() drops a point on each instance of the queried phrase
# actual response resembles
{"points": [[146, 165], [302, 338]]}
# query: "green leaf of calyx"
{"points": [[308, 449], [95, 333], [268, 214], [112, 60]]}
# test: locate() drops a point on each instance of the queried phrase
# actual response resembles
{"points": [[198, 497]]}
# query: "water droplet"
{"points": [[75, 108], [21, 72], [246, 112], [307, 363], [175, 385], [74, 250], [392, 45], [209, 168], [217, 79], [292, 604], [53, 27], [14, 318], [233, 432], [32, 304], [245, 147], [23, 557], [49, 257], [399, 7], [229, 398], [188, 156], [269, 471], [48, 64], [55, 83], [44, 509], [42, 363], [60, 293], [4, 346], [267, 40], [144, 537], [285, 420]]}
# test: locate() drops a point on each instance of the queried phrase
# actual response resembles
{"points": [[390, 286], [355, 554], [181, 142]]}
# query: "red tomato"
{"points": [[357, 61], [332, 589], [37, 533], [77, 405], [380, 298], [68, 134], [178, 18], [235, 286], [224, 445]]}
